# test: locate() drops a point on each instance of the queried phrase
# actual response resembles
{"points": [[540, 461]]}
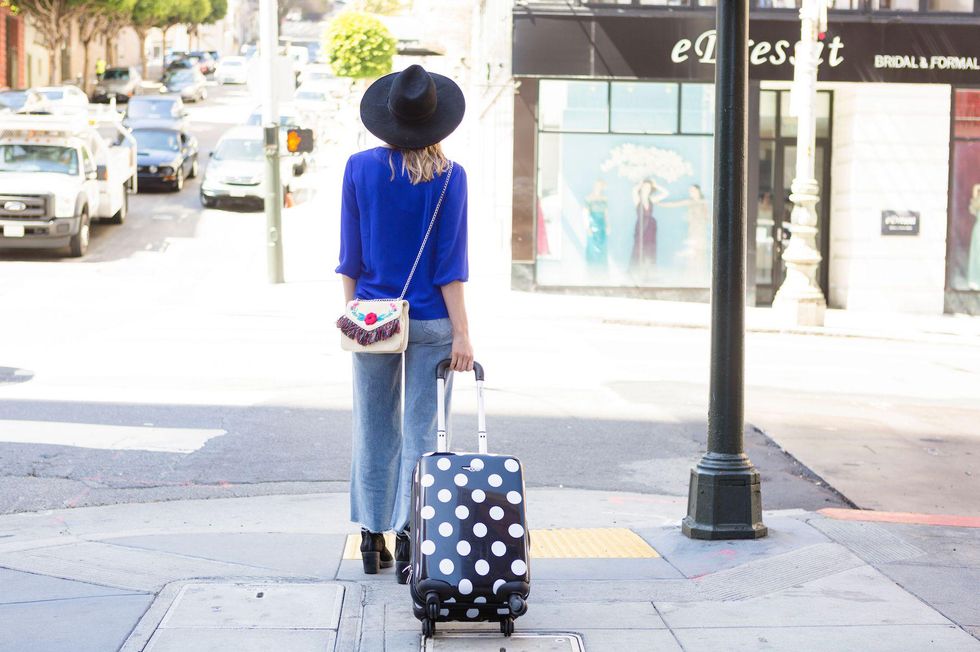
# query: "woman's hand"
{"points": [[462, 354]]}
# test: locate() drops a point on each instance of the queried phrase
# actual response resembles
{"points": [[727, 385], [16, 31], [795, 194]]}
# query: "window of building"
{"points": [[629, 206], [960, 6], [574, 105], [964, 205], [644, 108], [895, 5]]}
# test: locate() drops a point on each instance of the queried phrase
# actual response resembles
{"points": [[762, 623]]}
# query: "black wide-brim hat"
{"points": [[413, 108]]}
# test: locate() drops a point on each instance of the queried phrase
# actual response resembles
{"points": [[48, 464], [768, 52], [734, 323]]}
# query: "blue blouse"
{"points": [[382, 223]]}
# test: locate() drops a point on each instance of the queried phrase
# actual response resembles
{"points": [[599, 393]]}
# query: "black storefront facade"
{"points": [[613, 114]]}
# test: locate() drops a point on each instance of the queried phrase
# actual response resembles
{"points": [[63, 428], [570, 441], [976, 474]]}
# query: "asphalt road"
{"points": [[162, 366]]}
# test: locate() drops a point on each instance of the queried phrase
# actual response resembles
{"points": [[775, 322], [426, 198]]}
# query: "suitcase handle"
{"points": [[443, 369], [442, 374]]}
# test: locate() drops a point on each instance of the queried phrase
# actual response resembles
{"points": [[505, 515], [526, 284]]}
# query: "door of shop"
{"points": [[777, 168]]}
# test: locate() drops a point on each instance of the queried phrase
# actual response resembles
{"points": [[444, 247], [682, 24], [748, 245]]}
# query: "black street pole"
{"points": [[724, 499]]}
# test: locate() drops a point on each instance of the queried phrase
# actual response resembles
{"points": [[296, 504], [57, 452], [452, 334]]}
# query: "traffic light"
{"points": [[299, 140]]}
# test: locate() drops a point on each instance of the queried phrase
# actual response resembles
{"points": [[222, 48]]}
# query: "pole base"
{"points": [[724, 500], [800, 310]]}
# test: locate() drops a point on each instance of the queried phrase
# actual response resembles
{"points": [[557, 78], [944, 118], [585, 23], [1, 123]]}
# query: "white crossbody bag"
{"points": [[381, 325]]}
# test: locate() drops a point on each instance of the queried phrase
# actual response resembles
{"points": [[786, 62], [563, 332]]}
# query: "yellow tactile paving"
{"points": [[570, 543]]}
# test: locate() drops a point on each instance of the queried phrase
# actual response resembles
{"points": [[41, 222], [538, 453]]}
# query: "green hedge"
{"points": [[358, 45]]}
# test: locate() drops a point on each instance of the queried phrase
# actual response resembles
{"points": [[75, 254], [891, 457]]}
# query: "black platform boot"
{"points": [[403, 557], [374, 553]]}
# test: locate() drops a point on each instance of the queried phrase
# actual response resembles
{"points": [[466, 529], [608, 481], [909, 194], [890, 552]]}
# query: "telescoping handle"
{"points": [[442, 373]]}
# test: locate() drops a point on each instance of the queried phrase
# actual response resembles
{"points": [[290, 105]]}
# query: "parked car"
{"points": [[205, 61], [232, 70], [121, 83], [289, 117], [24, 100], [189, 83], [166, 156], [63, 97], [316, 73], [236, 172], [157, 108], [57, 176], [181, 63]]}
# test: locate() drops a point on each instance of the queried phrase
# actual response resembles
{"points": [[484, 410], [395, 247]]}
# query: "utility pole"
{"points": [[269, 51], [724, 498], [799, 299]]}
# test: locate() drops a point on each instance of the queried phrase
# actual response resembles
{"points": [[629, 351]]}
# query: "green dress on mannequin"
{"points": [[973, 265]]}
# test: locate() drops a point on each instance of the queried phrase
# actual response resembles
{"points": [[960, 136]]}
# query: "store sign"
{"points": [[668, 46], [899, 223]]}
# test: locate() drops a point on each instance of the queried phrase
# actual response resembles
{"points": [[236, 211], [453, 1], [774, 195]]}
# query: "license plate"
{"points": [[236, 193], [13, 231]]}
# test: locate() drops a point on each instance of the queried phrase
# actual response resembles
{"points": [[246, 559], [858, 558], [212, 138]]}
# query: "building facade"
{"points": [[612, 132]]}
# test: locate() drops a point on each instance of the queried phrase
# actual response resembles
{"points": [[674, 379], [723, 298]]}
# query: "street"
{"points": [[162, 366]]}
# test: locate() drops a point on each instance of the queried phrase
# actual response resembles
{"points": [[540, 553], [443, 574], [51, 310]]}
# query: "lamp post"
{"points": [[799, 299], [269, 50], [724, 497]]}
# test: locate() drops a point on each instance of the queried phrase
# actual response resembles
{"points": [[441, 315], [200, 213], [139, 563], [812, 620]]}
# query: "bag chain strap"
{"points": [[432, 223]]}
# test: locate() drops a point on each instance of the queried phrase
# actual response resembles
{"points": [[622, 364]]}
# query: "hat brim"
{"points": [[380, 121]]}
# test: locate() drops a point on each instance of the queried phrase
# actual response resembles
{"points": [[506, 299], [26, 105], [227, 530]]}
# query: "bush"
{"points": [[359, 46]]}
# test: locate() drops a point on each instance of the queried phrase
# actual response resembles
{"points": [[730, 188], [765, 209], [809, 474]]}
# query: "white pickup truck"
{"points": [[57, 175]]}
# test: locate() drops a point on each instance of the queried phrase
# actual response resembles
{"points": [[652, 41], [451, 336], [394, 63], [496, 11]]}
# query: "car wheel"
{"points": [[120, 215], [78, 244], [179, 183], [194, 169]]}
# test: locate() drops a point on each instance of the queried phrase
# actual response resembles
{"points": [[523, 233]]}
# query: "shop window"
{"points": [[574, 105], [964, 232], [644, 108], [767, 114], [895, 5], [966, 123], [697, 108], [629, 207], [960, 6]]}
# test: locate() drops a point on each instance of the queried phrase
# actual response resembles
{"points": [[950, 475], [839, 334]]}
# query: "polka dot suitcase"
{"points": [[469, 534]]}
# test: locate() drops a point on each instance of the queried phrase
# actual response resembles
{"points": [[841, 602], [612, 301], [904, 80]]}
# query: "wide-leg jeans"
{"points": [[387, 440]]}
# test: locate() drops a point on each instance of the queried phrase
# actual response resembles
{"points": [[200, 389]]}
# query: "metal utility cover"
{"points": [[495, 642], [239, 606]]}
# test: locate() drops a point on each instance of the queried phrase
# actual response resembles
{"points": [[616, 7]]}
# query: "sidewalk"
{"points": [[270, 573]]}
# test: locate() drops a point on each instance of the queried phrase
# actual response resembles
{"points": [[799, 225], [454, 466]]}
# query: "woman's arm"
{"points": [[462, 354], [350, 286], [658, 196]]}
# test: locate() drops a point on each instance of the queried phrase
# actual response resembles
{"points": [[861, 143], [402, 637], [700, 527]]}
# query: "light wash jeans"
{"points": [[387, 444]]}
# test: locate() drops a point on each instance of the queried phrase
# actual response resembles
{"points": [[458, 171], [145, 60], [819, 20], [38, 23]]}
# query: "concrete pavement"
{"points": [[266, 573]]}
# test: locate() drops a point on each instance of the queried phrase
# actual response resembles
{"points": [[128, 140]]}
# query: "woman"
{"points": [[389, 196], [596, 226], [645, 195], [696, 246]]}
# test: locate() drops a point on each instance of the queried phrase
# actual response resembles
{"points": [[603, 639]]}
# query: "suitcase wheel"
{"points": [[428, 628], [507, 626], [432, 606], [517, 604]]}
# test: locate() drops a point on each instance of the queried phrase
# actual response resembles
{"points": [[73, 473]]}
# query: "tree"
{"points": [[93, 21], [383, 7], [181, 12], [359, 46], [145, 16], [52, 19], [283, 7], [219, 9]]}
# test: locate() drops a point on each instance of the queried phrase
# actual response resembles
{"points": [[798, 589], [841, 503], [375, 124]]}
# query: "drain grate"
{"points": [[494, 642]]}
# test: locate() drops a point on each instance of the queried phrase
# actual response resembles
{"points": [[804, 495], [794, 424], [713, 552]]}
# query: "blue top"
{"points": [[382, 223]]}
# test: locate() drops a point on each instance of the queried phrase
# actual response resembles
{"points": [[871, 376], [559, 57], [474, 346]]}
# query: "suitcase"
{"points": [[468, 529]]}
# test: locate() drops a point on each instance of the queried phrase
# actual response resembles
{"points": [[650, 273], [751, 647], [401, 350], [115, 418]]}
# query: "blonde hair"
{"points": [[423, 164]]}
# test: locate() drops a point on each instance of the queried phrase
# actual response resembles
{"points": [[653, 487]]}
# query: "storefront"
{"points": [[613, 150]]}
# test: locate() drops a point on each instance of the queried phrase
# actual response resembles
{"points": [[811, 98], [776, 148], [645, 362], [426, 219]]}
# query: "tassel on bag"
{"points": [[351, 329]]}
